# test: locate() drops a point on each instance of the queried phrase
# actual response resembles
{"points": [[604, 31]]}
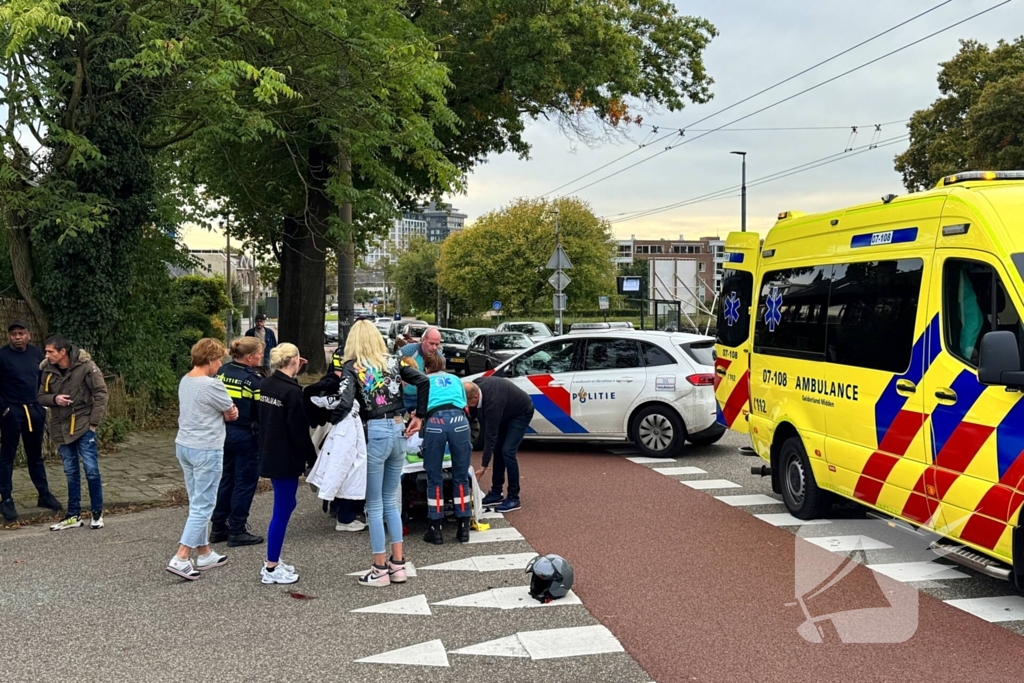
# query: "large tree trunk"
{"points": [[304, 269], [20, 249]]}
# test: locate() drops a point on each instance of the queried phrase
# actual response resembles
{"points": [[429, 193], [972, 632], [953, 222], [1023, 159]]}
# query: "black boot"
{"points": [[434, 534], [462, 535], [218, 534]]}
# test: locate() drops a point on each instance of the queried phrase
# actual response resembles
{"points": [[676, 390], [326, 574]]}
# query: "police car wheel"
{"points": [[658, 432], [800, 491], [476, 435]]}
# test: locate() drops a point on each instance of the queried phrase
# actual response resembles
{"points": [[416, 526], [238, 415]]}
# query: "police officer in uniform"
{"points": [[241, 448]]}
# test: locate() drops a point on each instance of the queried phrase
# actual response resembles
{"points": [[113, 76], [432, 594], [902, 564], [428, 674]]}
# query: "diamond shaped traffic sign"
{"points": [[559, 280]]}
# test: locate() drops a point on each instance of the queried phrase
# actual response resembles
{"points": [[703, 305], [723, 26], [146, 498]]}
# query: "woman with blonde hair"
{"points": [[373, 379], [241, 451], [204, 408], [286, 450]]}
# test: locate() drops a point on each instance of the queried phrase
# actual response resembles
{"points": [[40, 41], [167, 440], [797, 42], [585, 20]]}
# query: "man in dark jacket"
{"points": [[504, 411], [265, 335], [21, 417], [72, 387]]}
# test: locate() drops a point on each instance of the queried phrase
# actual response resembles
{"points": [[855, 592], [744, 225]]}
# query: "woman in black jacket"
{"points": [[286, 450]]}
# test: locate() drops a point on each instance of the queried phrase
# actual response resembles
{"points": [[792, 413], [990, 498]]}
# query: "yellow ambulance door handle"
{"points": [[946, 396], [720, 371], [905, 387]]}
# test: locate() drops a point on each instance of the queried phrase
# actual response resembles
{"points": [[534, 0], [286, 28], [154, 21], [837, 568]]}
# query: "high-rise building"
{"points": [[402, 231], [442, 220]]}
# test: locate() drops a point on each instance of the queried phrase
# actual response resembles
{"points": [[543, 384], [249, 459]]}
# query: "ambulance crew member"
{"points": [[374, 379], [446, 425], [241, 450]]}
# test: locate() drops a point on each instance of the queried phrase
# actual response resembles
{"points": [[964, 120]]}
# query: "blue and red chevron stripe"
{"points": [[555, 405]]}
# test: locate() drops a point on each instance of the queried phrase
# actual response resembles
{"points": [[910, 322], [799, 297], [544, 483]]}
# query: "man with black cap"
{"points": [[265, 335], [22, 417]]}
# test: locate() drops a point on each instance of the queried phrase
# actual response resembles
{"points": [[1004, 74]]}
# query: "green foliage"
{"points": [[977, 123], [416, 273], [502, 257], [201, 295]]}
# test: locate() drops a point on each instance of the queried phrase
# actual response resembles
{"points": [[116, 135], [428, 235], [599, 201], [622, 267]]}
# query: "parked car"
{"points": [[473, 332], [331, 335], [491, 349], [454, 347], [395, 331], [654, 389], [537, 332], [383, 324], [363, 313]]}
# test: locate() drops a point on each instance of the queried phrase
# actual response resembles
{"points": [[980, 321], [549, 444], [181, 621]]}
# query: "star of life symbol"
{"points": [[732, 309], [773, 316]]}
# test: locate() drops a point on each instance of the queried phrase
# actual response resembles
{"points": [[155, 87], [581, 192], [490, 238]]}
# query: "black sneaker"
{"points": [[462, 534], [218, 534], [434, 534], [47, 500], [244, 538], [492, 498], [8, 510]]}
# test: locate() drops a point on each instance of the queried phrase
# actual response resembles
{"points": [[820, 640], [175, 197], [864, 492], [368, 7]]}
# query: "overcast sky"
{"points": [[759, 44]]}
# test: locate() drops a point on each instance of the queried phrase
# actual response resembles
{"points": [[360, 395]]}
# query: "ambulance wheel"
{"points": [[658, 431], [800, 491]]}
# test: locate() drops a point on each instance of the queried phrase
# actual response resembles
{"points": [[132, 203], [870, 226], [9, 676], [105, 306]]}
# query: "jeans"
{"points": [[202, 469], [510, 436], [285, 491], [26, 423], [238, 482], [449, 427], [385, 456], [84, 449]]}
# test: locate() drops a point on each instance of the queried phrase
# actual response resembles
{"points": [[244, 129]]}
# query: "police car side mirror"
{"points": [[1000, 360]]}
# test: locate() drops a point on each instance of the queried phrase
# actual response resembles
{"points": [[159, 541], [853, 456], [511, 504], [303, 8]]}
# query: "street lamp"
{"points": [[558, 248], [743, 193]]}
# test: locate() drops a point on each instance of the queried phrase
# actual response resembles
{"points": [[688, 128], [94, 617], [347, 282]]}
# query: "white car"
{"points": [[653, 389], [537, 332]]}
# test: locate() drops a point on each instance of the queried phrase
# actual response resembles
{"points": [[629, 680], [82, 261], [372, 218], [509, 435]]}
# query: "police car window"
{"points": [[612, 354], [869, 303], [734, 308], [702, 352], [968, 290], [791, 313], [655, 356], [546, 359]]}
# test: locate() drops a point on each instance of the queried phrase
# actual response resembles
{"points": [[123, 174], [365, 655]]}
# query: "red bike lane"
{"points": [[697, 590]]}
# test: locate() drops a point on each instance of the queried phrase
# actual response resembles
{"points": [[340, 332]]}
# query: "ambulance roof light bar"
{"points": [[980, 175]]}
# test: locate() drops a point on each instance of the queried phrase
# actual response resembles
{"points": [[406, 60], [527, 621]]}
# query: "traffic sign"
{"points": [[496, 305], [602, 303], [374, 301], [559, 260], [559, 302], [559, 280]]}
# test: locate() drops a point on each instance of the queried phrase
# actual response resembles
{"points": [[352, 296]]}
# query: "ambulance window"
{"points": [[791, 315], [734, 308], [870, 302], [968, 289]]}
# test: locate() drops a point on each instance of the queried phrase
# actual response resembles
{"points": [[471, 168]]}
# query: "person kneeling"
{"points": [[446, 425]]}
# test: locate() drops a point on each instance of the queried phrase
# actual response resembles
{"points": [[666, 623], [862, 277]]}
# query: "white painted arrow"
{"points": [[495, 535], [511, 597], [430, 653], [417, 604], [485, 563], [551, 643]]}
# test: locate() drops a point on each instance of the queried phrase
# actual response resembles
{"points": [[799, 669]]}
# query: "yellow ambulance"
{"points": [[874, 353]]}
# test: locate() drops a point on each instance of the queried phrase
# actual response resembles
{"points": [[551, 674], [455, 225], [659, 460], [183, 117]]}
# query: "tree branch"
{"points": [[186, 132]]}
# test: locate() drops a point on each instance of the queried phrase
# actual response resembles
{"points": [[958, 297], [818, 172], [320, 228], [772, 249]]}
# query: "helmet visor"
{"points": [[543, 567]]}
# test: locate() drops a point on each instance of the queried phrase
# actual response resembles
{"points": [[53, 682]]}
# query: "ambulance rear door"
{"points": [[732, 348]]}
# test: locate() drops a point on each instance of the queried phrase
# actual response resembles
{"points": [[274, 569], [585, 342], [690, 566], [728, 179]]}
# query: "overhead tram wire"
{"points": [[794, 96], [730, 192], [757, 94]]}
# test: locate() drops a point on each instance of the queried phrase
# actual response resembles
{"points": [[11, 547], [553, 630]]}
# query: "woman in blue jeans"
{"points": [[374, 379], [204, 407]]}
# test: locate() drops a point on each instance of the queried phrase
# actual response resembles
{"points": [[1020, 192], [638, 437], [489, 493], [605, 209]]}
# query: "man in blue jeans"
{"points": [[72, 387], [504, 411]]}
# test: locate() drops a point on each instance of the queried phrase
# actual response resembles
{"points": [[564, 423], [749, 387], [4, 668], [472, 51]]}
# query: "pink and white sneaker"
{"points": [[376, 577], [396, 571]]}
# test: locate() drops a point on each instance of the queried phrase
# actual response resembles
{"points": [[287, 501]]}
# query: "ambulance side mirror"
{"points": [[1000, 360]]}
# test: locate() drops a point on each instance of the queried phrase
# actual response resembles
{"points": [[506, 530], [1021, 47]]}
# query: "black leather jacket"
{"points": [[379, 391]]}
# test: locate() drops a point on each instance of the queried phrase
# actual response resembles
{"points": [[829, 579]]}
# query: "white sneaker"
{"points": [[214, 559], [67, 523], [287, 567], [97, 522], [183, 568], [278, 575], [354, 525]]}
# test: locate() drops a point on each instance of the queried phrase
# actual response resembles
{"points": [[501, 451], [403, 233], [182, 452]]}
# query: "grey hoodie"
{"points": [[84, 383]]}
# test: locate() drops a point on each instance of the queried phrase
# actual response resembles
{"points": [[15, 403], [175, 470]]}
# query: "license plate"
{"points": [[458, 360]]}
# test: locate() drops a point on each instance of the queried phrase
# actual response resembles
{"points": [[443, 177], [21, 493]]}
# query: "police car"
{"points": [[654, 389]]}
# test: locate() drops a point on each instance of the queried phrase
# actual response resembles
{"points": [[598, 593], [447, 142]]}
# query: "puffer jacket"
{"points": [[84, 383]]}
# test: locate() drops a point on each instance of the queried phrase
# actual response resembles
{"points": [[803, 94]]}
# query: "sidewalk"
{"points": [[142, 469]]}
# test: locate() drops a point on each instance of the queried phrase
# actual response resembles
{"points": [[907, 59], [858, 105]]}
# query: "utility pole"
{"points": [[743, 193], [231, 303], [346, 262]]}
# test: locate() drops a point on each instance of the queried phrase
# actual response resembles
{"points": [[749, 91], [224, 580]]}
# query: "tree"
{"points": [[977, 123], [502, 257], [416, 273]]}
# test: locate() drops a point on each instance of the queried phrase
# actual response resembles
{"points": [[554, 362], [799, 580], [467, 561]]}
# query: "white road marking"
{"points": [[417, 604], [917, 571], [1002, 608], [641, 460], [491, 514], [551, 643], [753, 499], [410, 570], [486, 563], [845, 544], [676, 471], [786, 519], [495, 535], [502, 647], [430, 653], [704, 484], [510, 597]]}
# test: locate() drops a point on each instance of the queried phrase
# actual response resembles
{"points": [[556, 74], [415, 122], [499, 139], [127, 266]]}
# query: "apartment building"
{"points": [[708, 252]]}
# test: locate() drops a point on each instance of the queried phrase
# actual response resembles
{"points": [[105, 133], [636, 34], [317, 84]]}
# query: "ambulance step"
{"points": [[971, 560], [762, 471], [747, 450], [898, 524]]}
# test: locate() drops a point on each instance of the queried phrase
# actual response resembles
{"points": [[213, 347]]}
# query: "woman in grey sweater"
{"points": [[204, 407]]}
